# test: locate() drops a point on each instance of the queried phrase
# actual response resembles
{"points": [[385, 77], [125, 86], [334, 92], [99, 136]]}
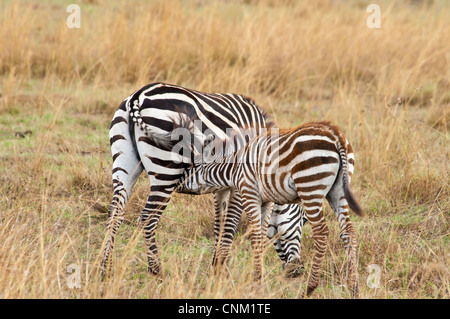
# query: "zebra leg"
{"points": [[115, 218], [220, 205], [266, 214], [165, 169], [155, 206], [315, 216], [116, 208], [339, 205], [126, 170], [347, 234], [225, 226], [252, 207]]}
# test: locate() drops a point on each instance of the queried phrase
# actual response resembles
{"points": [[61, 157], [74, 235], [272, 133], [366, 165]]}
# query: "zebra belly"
{"points": [[278, 188]]}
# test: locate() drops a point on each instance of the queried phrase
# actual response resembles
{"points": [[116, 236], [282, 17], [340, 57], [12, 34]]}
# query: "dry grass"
{"points": [[388, 89]]}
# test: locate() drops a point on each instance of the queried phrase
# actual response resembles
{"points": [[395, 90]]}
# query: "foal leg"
{"points": [[314, 213], [225, 224], [252, 206], [266, 214], [339, 205], [220, 206]]}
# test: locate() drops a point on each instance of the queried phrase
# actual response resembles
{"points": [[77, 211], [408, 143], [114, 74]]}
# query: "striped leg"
{"points": [[315, 216], [252, 207], [115, 215], [126, 170], [115, 218], [225, 224], [348, 236], [220, 203], [164, 174], [339, 205], [266, 214], [156, 204]]}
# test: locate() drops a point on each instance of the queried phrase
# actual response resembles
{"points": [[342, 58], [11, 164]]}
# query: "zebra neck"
{"points": [[223, 172]]}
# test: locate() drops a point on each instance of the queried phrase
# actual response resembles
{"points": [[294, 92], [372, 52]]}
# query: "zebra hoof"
{"points": [[105, 270], [355, 291], [155, 271], [310, 290], [103, 275]]}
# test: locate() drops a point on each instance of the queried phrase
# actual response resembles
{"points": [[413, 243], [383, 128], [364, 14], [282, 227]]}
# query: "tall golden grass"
{"points": [[387, 88]]}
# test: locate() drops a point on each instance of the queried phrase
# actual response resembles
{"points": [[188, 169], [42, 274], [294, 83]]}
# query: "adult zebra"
{"points": [[153, 107], [307, 164]]}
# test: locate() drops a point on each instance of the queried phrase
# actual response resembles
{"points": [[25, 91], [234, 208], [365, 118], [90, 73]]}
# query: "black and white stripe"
{"points": [[307, 164], [138, 124]]}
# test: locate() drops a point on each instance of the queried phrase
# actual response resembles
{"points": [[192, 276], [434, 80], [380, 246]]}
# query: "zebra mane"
{"points": [[269, 121]]}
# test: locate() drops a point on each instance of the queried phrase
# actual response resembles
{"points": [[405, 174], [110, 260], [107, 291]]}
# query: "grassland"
{"points": [[387, 88]]}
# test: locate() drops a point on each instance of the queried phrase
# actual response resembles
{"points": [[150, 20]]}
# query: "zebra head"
{"points": [[194, 180]]}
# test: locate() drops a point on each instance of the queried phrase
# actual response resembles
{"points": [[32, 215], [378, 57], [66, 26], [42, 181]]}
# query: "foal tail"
{"points": [[352, 203]]}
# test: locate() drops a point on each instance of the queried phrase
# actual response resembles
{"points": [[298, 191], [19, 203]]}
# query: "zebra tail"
{"points": [[163, 140], [351, 200], [354, 206], [182, 132]]}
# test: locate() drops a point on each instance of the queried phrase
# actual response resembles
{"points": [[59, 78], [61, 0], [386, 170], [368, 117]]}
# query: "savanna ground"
{"points": [[387, 88]]}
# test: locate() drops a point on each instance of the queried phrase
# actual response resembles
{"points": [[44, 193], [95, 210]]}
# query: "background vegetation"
{"points": [[388, 89]]}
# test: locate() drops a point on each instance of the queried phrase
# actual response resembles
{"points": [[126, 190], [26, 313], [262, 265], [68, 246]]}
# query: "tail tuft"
{"points": [[352, 203]]}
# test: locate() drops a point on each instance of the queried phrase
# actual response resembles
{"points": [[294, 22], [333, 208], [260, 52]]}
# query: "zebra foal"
{"points": [[306, 164]]}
